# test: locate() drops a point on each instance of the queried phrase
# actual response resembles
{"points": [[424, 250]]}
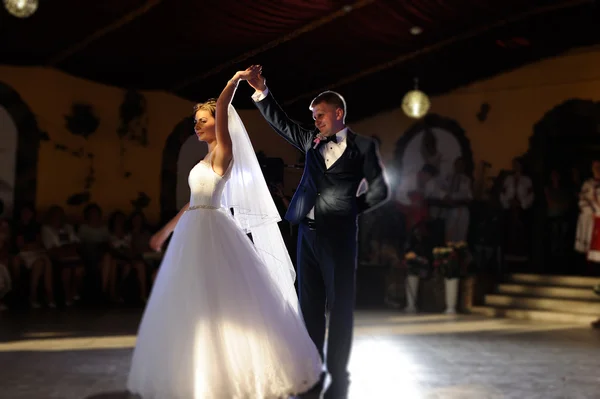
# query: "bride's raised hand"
{"points": [[250, 74]]}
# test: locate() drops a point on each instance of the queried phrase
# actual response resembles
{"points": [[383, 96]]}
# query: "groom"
{"points": [[326, 207]]}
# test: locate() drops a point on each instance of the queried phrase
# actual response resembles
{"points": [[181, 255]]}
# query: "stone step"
{"points": [[534, 315], [558, 292], [558, 281], [551, 304]]}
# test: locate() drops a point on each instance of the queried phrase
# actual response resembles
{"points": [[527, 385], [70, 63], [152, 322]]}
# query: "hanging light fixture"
{"points": [[21, 8], [415, 103]]}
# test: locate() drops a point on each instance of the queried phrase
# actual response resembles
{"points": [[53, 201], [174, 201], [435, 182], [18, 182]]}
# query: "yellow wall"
{"points": [[518, 100], [50, 95]]}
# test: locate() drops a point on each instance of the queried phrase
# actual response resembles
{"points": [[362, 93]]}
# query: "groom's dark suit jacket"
{"points": [[332, 191]]}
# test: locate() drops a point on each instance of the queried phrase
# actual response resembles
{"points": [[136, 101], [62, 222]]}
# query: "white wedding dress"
{"points": [[219, 324]]}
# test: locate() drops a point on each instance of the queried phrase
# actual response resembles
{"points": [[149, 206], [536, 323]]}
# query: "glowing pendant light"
{"points": [[21, 8], [415, 103]]}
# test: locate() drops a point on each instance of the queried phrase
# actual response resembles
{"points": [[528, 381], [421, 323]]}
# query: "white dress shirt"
{"points": [[53, 238], [330, 151]]}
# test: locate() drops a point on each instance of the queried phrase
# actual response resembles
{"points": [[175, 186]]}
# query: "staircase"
{"points": [[566, 299]]}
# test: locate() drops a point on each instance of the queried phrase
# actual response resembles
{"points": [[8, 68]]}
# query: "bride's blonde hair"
{"points": [[209, 105]]}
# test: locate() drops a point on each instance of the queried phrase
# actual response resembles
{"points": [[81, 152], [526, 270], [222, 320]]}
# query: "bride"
{"points": [[223, 318]]}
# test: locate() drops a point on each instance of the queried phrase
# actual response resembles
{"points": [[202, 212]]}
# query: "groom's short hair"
{"points": [[331, 98]]}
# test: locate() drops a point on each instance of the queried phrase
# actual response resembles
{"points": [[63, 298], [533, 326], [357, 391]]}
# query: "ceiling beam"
{"points": [[63, 55], [305, 29], [439, 45]]}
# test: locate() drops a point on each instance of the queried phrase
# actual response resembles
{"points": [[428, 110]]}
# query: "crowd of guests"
{"points": [[550, 226], [49, 261], [559, 224], [109, 259], [524, 224]]}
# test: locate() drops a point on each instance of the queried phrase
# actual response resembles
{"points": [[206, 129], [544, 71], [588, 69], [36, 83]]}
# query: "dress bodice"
{"points": [[206, 186]]}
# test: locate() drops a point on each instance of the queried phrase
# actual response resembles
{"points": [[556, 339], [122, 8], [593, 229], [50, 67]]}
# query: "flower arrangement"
{"points": [[452, 260], [445, 261], [417, 265]]}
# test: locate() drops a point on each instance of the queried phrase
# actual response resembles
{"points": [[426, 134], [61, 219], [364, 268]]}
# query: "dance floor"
{"points": [[84, 354]]}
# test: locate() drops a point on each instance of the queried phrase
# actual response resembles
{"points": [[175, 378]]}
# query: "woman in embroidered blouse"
{"points": [[587, 240]]}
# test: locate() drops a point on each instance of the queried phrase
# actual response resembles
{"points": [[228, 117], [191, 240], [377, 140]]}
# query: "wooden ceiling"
{"points": [[365, 49]]}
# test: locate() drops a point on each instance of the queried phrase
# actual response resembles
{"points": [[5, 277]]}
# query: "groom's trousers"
{"points": [[326, 281]]}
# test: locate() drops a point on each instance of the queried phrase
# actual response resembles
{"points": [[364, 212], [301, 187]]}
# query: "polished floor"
{"points": [[84, 354]]}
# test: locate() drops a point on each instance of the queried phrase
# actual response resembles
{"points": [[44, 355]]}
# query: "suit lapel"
{"points": [[316, 154]]}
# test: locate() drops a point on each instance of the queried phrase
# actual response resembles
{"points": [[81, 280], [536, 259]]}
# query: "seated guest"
{"points": [[63, 248], [124, 259], [33, 256], [140, 242], [94, 236]]}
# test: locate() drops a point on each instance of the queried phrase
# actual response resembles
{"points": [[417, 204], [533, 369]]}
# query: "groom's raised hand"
{"points": [[258, 82]]}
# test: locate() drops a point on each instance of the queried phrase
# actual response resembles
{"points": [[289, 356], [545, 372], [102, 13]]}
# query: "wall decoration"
{"points": [[134, 118], [79, 198], [84, 196], [134, 124], [82, 121], [483, 112], [142, 201]]}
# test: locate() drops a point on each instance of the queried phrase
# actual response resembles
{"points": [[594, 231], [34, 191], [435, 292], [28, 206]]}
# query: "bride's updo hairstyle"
{"points": [[209, 105]]}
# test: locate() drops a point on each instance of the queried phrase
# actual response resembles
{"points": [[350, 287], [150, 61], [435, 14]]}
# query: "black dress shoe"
{"points": [[315, 391]]}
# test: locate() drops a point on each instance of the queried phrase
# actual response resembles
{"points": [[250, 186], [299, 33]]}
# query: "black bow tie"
{"points": [[330, 138]]}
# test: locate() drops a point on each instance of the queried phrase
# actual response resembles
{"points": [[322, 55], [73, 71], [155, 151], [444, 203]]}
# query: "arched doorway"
{"points": [[181, 152], [565, 139], [8, 161], [25, 152], [388, 223], [450, 143], [433, 140], [171, 184]]}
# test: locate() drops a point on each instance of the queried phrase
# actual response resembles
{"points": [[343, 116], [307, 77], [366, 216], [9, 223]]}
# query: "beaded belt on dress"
{"points": [[191, 208]]}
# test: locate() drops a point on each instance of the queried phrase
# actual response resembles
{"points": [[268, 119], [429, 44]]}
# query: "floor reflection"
{"points": [[395, 356]]}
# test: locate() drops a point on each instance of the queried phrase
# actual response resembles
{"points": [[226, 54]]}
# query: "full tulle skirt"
{"points": [[218, 323]]}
